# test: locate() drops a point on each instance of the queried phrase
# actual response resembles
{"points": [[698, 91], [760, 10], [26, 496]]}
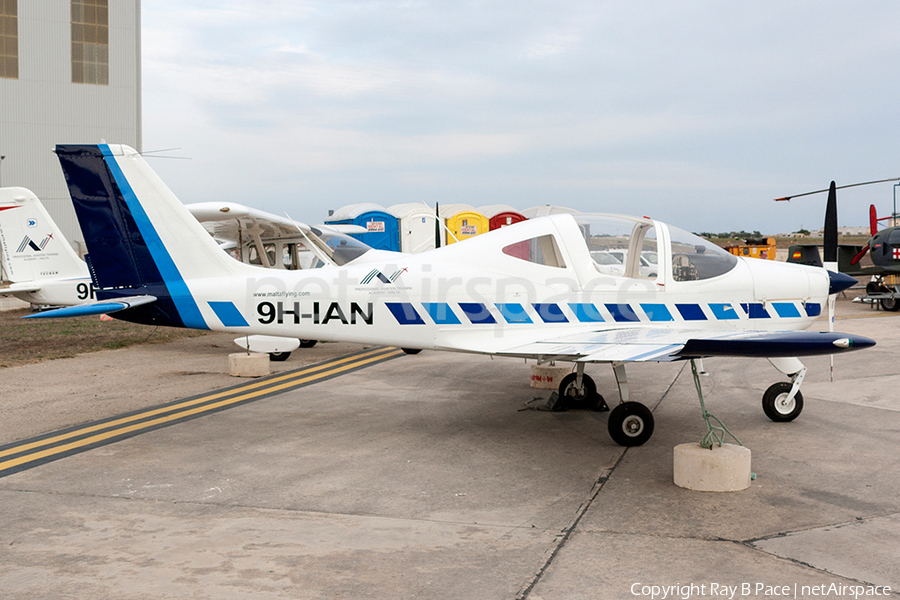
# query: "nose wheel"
{"points": [[778, 404]]}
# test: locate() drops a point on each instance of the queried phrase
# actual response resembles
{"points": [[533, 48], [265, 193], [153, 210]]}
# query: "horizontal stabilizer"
{"points": [[22, 288], [96, 308]]}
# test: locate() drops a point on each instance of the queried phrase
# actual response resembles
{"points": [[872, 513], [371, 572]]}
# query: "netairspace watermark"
{"points": [[757, 590]]}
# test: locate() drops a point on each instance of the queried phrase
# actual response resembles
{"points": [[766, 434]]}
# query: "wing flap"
{"points": [[663, 345]]}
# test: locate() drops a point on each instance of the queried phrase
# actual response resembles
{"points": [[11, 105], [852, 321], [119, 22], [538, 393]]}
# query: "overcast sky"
{"points": [[697, 113]]}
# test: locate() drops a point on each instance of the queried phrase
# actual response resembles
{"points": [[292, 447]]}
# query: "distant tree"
{"points": [[802, 231]]}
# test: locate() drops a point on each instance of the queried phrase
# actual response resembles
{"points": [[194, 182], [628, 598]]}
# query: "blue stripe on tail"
{"points": [[125, 253], [181, 295]]}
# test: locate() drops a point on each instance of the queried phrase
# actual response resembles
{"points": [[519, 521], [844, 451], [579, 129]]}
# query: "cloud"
{"points": [[689, 108]]}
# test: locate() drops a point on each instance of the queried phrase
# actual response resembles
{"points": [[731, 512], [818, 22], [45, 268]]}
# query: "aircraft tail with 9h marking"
{"points": [[130, 221], [38, 261]]}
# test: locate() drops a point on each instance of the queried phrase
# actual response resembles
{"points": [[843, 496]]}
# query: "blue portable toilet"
{"points": [[382, 228]]}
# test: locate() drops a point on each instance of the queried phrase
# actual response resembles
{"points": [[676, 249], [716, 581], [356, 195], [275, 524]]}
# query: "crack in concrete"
{"points": [[566, 532], [855, 521], [274, 509], [807, 565]]}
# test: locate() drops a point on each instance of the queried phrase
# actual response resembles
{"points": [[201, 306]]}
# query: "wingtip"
{"points": [[856, 342]]}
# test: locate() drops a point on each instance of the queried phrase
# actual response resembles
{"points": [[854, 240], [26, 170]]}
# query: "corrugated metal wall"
{"points": [[44, 108]]}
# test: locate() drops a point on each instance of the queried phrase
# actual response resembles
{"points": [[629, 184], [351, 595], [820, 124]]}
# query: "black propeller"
{"points": [[830, 241]]}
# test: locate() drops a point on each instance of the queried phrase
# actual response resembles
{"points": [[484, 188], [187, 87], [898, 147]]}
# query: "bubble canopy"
{"points": [[631, 247]]}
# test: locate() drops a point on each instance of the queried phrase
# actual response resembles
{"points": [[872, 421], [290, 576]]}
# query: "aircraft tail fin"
{"points": [[141, 240], [34, 248]]}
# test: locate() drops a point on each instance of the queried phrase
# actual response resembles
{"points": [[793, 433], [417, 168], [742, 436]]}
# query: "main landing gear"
{"points": [[631, 423], [578, 390]]}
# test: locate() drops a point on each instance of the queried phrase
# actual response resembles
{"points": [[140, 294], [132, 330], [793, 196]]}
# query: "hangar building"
{"points": [[70, 72]]}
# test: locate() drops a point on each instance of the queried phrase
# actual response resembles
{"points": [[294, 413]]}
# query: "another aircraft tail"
{"points": [[34, 248], [141, 240]]}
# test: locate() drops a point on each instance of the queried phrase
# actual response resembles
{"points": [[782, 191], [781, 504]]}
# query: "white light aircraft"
{"points": [[155, 264], [40, 263]]}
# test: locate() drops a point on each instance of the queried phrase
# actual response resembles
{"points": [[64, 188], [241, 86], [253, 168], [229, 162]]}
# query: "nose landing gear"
{"points": [[778, 404]]}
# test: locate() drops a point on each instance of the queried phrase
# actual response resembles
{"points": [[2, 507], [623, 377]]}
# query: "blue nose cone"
{"points": [[838, 282]]}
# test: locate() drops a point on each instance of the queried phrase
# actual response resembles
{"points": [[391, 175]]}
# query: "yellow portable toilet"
{"points": [[463, 222]]}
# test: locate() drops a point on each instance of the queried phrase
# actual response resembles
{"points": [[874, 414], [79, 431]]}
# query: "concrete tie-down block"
{"points": [[723, 468], [548, 378], [244, 364]]}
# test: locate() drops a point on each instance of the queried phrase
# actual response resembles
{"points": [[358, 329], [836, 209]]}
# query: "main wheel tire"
{"points": [[279, 356], [630, 424], [775, 403], [308, 343], [575, 397], [890, 304], [411, 350]]}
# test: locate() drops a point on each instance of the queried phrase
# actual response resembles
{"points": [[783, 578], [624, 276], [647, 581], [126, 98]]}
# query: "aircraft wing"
{"points": [[227, 220], [346, 228], [663, 345]]}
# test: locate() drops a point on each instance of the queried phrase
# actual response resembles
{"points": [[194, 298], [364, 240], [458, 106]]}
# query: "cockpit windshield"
{"points": [[628, 247], [339, 247], [694, 258], [623, 246]]}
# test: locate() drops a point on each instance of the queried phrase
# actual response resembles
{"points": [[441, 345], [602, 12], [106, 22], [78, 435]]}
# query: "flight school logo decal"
{"points": [[29, 243], [375, 273]]}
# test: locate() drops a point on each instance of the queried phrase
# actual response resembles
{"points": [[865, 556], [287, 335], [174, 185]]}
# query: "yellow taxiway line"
{"points": [[32, 452]]}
